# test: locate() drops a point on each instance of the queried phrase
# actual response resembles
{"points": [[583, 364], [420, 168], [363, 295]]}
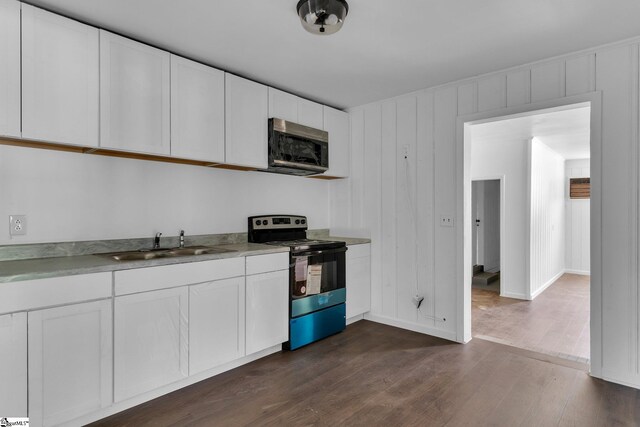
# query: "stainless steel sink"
{"points": [[166, 253]]}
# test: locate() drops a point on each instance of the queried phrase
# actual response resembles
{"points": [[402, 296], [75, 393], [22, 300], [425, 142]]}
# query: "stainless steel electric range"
{"points": [[317, 282]]}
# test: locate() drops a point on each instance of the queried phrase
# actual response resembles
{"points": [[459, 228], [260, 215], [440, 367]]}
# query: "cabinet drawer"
{"points": [[359, 251], [30, 294], [169, 276], [266, 263]]}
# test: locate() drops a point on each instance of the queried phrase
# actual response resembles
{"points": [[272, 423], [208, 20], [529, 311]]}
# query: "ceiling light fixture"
{"points": [[322, 16]]}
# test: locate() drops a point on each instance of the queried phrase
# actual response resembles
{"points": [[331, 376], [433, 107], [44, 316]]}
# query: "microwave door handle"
{"points": [[319, 252]]}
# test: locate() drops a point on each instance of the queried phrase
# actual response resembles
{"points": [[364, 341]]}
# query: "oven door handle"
{"points": [[318, 252]]}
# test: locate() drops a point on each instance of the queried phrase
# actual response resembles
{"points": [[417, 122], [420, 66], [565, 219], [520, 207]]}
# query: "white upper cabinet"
{"points": [[13, 365], [247, 114], [310, 113], [10, 68], [134, 96], [336, 122], [70, 362], [283, 105], [197, 111], [60, 79]]}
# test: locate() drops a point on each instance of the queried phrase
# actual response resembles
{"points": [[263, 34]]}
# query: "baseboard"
{"points": [[355, 318], [513, 295], [546, 285], [135, 401], [620, 378], [411, 326], [580, 272]]}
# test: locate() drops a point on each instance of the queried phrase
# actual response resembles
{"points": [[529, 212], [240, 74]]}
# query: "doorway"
{"points": [[531, 284], [486, 205]]}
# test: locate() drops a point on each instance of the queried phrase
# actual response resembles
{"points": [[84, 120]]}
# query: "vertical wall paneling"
{"points": [[424, 209], [615, 79], [468, 98], [406, 201], [548, 81], [357, 168], [445, 109], [372, 188], [388, 193], [492, 93], [518, 87], [581, 74], [547, 217]]}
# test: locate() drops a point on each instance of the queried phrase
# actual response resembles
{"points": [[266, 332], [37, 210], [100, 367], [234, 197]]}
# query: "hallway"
{"points": [[555, 323]]}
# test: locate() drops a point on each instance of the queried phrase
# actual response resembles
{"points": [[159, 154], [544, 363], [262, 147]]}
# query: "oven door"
{"points": [[317, 280]]}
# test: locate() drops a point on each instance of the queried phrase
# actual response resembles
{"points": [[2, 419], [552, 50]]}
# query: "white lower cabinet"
{"points": [[358, 261], [267, 310], [70, 362], [13, 365], [216, 323], [150, 341]]}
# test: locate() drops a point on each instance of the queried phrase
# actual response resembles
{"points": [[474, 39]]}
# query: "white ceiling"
{"points": [[566, 132], [385, 48]]}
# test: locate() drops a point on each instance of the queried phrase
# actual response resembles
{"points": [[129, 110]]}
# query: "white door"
{"points": [[10, 68], [197, 111], [150, 341], [358, 260], [475, 222], [336, 122], [283, 105], [60, 79], [246, 109], [310, 114], [70, 362], [216, 323], [13, 365], [134, 96], [267, 310]]}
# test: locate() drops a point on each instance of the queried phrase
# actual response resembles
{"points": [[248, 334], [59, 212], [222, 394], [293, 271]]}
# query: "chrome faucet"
{"points": [[182, 238], [156, 241]]}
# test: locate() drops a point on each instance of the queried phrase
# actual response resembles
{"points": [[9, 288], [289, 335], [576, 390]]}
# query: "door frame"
{"points": [[503, 221], [463, 210]]}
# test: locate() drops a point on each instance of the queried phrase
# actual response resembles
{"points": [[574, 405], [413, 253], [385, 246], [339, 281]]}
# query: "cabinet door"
{"points": [[310, 114], [60, 74], [70, 362], [10, 68], [150, 341], [13, 365], [267, 310], [197, 111], [336, 122], [134, 96], [216, 323], [283, 105], [358, 281], [246, 122]]}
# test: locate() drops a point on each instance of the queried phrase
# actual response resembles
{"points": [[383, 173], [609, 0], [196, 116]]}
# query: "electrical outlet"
{"points": [[17, 225], [446, 221]]}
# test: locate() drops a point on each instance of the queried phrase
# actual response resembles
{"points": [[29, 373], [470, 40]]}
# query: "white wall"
{"points": [[72, 197], [509, 159], [577, 242], [407, 253], [547, 217]]}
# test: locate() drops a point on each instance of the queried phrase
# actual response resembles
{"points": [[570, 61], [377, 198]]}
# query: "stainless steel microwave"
{"points": [[296, 149]]}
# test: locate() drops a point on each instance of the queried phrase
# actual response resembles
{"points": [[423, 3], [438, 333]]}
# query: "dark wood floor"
{"points": [[376, 375], [556, 322]]}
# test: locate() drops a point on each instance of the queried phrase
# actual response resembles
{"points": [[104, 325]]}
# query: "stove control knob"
{"points": [[265, 222], [297, 221], [304, 221], [258, 222]]}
